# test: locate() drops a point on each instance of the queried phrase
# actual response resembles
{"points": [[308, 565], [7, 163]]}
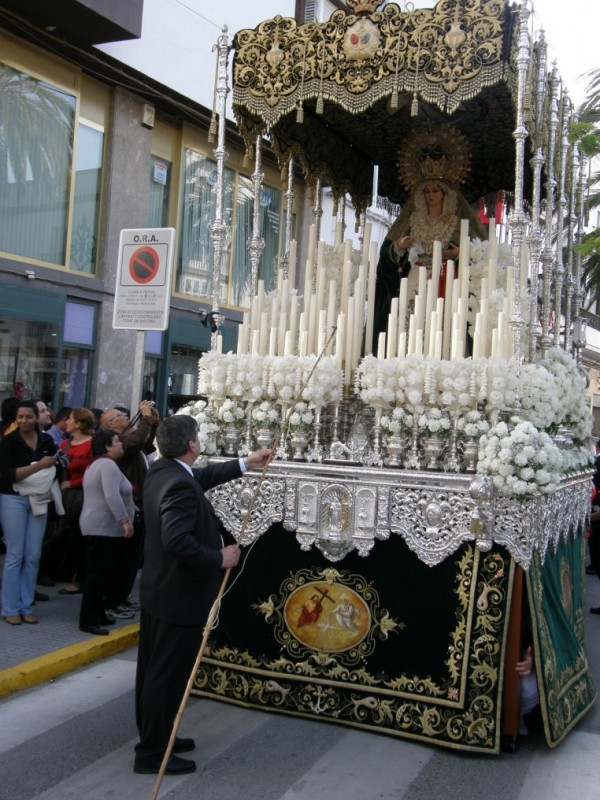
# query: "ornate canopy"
{"points": [[342, 96]]}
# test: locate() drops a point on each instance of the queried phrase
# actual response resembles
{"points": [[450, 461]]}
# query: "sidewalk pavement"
{"points": [[32, 654]]}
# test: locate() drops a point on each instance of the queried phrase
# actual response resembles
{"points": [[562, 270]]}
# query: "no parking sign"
{"points": [[143, 289]]}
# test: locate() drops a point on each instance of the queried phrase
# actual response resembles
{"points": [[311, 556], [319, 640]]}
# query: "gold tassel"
{"points": [[300, 114], [394, 100], [319, 108], [414, 106]]}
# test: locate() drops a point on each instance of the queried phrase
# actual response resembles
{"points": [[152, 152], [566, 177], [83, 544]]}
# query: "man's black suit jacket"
{"points": [[182, 560]]}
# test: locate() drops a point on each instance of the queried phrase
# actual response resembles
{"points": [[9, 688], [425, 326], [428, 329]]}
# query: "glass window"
{"points": [[28, 358], [269, 230], [153, 342], [183, 376], [194, 268], [74, 377], [160, 188], [86, 208], [79, 323], [150, 378], [37, 123]]}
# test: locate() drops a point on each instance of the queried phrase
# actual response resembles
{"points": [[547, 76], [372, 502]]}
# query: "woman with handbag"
{"points": [[78, 450], [28, 460]]}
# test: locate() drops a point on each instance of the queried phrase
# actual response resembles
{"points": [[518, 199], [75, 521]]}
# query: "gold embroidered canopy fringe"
{"points": [[338, 96]]}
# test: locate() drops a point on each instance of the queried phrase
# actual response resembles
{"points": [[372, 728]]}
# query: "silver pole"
{"points": [[218, 229], [559, 270], [256, 243]]}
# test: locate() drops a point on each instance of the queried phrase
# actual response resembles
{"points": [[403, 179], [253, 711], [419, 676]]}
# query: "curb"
{"points": [[66, 659]]}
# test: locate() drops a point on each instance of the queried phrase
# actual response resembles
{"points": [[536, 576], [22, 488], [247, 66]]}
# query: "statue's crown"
{"points": [[364, 6]]}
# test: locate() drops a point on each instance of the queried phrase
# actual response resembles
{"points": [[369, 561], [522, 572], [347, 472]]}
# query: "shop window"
{"points": [[78, 335], [196, 253], [183, 376], [28, 358]]}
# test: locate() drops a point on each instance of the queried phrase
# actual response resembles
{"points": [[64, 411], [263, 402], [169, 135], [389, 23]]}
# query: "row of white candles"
{"points": [[436, 328], [303, 327]]}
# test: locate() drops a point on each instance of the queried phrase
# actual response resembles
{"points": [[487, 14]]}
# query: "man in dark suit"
{"points": [[184, 557]]}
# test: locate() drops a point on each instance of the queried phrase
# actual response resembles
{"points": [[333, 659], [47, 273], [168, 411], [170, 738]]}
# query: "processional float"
{"points": [[422, 472]]}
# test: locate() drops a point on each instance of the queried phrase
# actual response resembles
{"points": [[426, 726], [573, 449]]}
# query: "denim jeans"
{"points": [[23, 536]]}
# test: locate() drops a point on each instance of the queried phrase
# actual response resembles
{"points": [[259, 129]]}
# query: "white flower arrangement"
{"points": [[396, 422], [254, 378], [521, 461], [266, 415], [572, 391], [230, 412], [434, 422], [541, 402], [472, 424], [301, 418], [207, 426]]}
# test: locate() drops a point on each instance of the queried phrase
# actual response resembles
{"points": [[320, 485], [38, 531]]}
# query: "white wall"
{"points": [[178, 36]]}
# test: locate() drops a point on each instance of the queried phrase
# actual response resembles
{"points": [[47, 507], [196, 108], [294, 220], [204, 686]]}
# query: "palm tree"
{"points": [[587, 133]]}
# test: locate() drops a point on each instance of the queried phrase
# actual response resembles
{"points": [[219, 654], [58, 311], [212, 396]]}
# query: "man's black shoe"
{"points": [[595, 610], [108, 619], [151, 765], [98, 630], [183, 745], [41, 597]]}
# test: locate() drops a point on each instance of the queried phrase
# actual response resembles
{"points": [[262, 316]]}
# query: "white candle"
{"points": [[312, 244], [463, 254], [402, 345], [219, 343], [419, 343], [484, 288], [381, 346], [392, 329], [288, 349], [307, 285], [331, 309], [359, 311], [292, 263], [321, 276], [346, 274], [279, 279], [433, 326], [348, 345], [495, 343], [322, 338], [436, 266], [303, 343], [438, 344], [281, 331], [422, 281], [366, 243], [484, 313], [313, 321], [492, 270], [275, 309], [293, 316], [429, 306], [264, 333], [412, 330], [402, 304], [273, 342], [255, 342], [372, 277], [339, 337]]}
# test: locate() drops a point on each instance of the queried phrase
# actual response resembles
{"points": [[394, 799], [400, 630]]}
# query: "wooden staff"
{"points": [[215, 606]]}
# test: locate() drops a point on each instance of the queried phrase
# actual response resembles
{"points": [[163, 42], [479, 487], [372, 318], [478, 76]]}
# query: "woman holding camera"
{"points": [[28, 459]]}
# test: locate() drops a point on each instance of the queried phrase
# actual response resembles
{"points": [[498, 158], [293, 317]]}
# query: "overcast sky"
{"points": [[572, 30]]}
